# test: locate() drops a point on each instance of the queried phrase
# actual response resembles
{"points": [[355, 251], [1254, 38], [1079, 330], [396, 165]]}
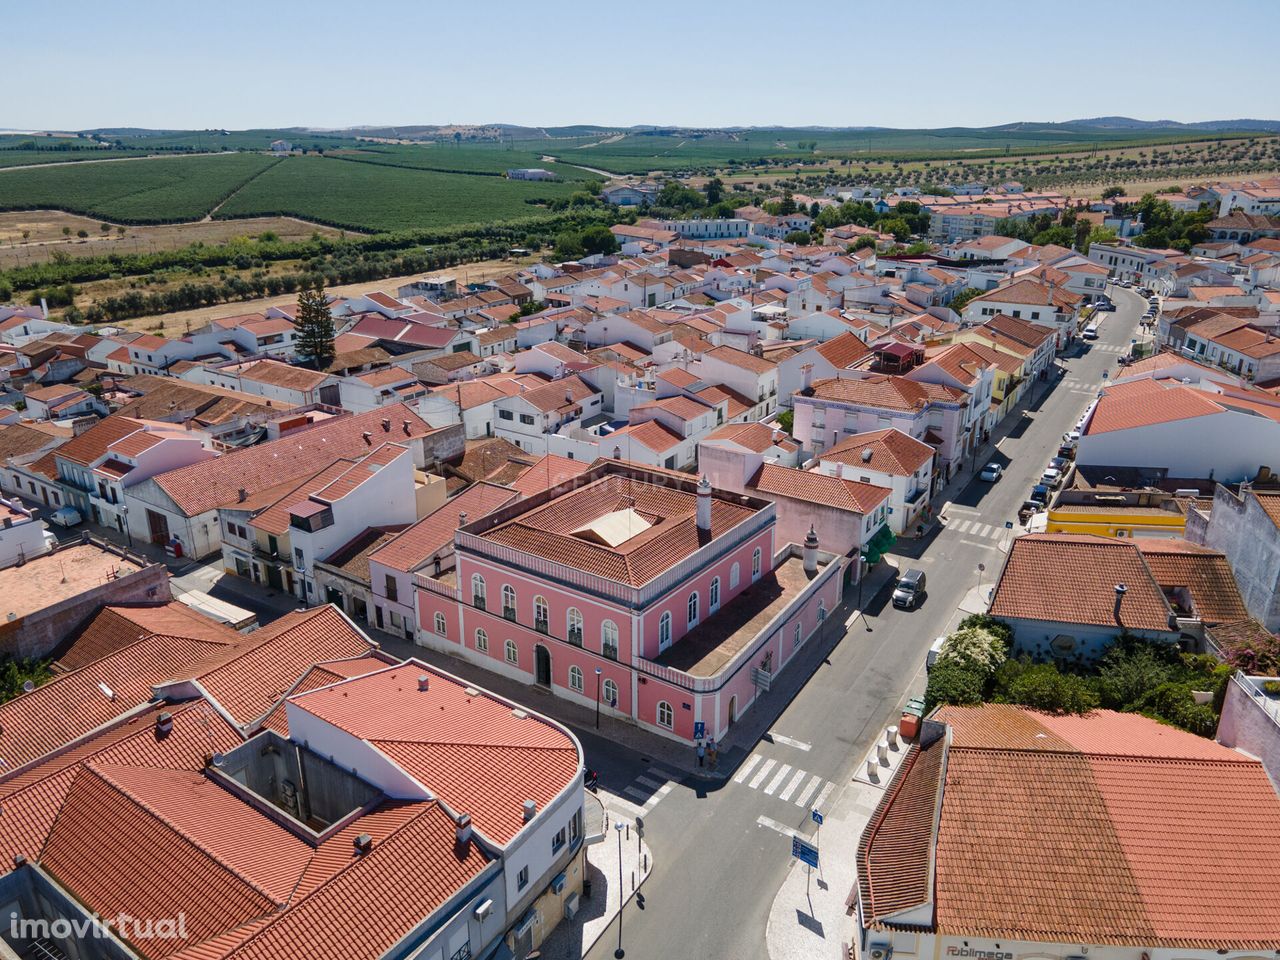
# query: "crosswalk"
{"points": [[976, 528], [787, 783], [642, 794], [1109, 348]]}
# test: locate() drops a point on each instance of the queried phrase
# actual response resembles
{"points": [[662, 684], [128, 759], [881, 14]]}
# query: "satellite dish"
{"points": [[219, 759], [28, 686]]}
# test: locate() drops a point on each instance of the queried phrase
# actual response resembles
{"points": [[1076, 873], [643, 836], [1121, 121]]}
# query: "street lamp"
{"points": [[598, 672], [124, 511], [617, 827]]}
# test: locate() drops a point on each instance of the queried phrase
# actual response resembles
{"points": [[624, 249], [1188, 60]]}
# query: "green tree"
{"points": [[961, 299], [866, 240], [898, 227], [14, 673], [314, 328], [104, 227], [954, 683], [1042, 686], [598, 239], [800, 237], [787, 206], [569, 245], [714, 191], [1112, 191]]}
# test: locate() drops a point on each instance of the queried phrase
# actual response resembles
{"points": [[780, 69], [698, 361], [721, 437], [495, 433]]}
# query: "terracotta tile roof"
{"points": [[481, 460], [651, 434], [686, 408], [548, 530], [205, 486], [94, 442], [757, 437], [547, 472], [247, 680], [558, 394], [844, 351], [283, 375], [818, 489], [892, 451], [420, 541], [1147, 403], [321, 675], [17, 439], [113, 628], [891, 393], [470, 750], [1071, 578], [1203, 572], [1099, 834], [742, 359], [735, 403], [352, 558], [1032, 293]]}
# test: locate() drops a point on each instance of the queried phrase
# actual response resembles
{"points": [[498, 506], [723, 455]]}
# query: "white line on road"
{"points": [[641, 795], [790, 788], [747, 768], [652, 784], [983, 532], [613, 801], [778, 778], [653, 801], [963, 525], [763, 772], [798, 744], [826, 792], [772, 824], [808, 790]]}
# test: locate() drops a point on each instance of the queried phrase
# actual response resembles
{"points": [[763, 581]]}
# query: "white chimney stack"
{"points": [[704, 504], [806, 377], [811, 551]]}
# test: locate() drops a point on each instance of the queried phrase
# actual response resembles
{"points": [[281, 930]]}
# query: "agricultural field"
{"points": [[150, 190], [448, 158], [380, 197], [22, 158]]}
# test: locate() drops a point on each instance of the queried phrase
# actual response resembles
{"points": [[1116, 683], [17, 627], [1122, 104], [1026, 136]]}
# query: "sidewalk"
{"points": [[573, 938], [809, 919]]}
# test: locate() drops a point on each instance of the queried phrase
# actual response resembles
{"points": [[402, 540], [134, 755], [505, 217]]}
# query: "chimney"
{"points": [[363, 844], [386, 424], [806, 378], [405, 427], [424, 682], [462, 518], [811, 551], [242, 495], [463, 833], [866, 455], [368, 438], [164, 724], [530, 810], [1121, 590], [704, 504]]}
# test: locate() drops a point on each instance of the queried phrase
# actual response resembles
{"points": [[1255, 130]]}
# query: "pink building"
{"points": [[660, 598]]}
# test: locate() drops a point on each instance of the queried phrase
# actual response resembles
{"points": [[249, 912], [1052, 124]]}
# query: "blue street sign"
{"points": [[699, 729], [1008, 524], [804, 852], [816, 815]]}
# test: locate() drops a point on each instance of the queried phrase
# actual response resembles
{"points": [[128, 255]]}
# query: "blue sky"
{"points": [[267, 63]]}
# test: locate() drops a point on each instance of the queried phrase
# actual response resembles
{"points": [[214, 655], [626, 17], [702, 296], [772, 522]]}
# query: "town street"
{"points": [[719, 858]]}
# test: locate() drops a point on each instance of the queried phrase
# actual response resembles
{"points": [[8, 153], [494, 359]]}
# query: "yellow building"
{"points": [[1116, 515]]}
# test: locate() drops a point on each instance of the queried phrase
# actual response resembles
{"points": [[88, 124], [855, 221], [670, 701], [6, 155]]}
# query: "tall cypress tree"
{"points": [[314, 327]]}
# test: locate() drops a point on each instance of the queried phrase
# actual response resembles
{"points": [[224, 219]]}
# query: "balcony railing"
{"points": [[509, 613], [542, 626], [477, 601], [575, 637]]}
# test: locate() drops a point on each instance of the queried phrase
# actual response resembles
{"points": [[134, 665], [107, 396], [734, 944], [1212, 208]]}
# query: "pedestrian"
{"points": [[713, 754], [702, 752]]}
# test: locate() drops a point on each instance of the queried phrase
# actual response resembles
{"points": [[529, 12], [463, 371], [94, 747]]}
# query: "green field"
{"points": [[157, 190], [367, 196], [22, 158], [447, 158]]}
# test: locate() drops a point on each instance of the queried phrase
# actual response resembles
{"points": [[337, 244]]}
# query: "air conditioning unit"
{"points": [[557, 885], [482, 911], [571, 906], [880, 951]]}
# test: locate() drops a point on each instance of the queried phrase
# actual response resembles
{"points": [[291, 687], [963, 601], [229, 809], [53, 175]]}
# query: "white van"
{"points": [[1090, 332], [66, 517]]}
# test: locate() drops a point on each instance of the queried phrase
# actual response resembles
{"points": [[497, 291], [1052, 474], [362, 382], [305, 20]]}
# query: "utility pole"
{"points": [[619, 953]]}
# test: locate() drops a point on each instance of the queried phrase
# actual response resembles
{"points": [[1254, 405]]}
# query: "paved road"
{"points": [[719, 858]]}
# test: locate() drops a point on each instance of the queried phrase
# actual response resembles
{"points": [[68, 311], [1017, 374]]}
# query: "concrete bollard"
{"points": [[891, 735], [873, 770], [882, 751]]}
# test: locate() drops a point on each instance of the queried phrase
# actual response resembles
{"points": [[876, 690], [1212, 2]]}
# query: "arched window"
{"points": [[441, 626], [735, 574], [755, 565], [664, 631], [574, 635], [713, 601], [609, 639], [540, 621], [795, 640], [822, 610], [482, 641], [665, 717], [693, 609], [575, 679], [611, 693], [513, 653], [508, 601], [477, 591]]}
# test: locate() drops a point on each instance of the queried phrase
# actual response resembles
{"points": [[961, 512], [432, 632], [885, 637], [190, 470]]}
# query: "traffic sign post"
{"points": [[804, 851], [699, 730]]}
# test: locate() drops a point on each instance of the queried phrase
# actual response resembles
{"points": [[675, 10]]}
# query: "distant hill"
{"points": [[1129, 123]]}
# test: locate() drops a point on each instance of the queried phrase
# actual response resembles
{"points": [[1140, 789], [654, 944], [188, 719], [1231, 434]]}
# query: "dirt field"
{"points": [[44, 235], [178, 324]]}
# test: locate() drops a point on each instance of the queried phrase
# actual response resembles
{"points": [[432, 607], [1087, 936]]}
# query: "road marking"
{"points": [[790, 788], [653, 801], [963, 525], [777, 779], [808, 790], [763, 772], [826, 792], [747, 768], [612, 801], [772, 824], [798, 744], [983, 532], [641, 795], [654, 784]]}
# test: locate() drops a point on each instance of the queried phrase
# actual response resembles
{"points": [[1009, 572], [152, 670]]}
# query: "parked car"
{"points": [[910, 592], [1040, 494], [991, 472], [1028, 509], [931, 657], [1051, 478], [66, 517], [1066, 453], [1071, 438], [1060, 463], [1126, 284], [1090, 332]]}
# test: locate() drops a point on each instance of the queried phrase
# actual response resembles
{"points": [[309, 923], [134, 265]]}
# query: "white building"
{"points": [[886, 458]]}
